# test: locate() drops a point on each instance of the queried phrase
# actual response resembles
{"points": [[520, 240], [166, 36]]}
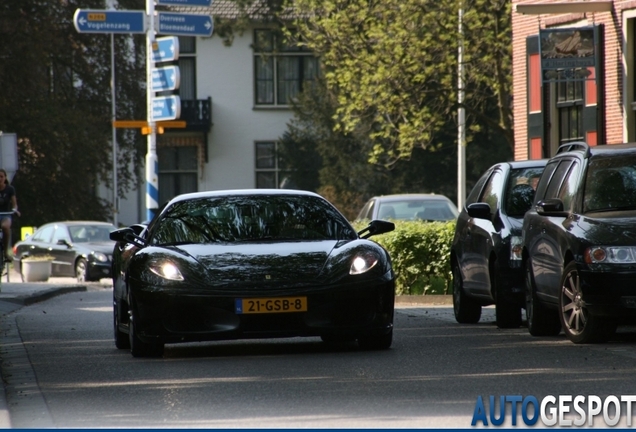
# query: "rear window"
{"points": [[610, 183], [520, 190]]}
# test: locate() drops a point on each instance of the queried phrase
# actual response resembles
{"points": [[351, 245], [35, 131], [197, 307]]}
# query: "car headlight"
{"points": [[100, 257], [363, 262], [610, 254], [166, 270], [516, 248]]}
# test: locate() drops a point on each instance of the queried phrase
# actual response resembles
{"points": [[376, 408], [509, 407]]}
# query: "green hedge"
{"points": [[420, 252]]}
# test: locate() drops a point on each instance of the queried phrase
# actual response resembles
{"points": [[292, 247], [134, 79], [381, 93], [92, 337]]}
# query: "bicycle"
{"points": [[4, 264]]}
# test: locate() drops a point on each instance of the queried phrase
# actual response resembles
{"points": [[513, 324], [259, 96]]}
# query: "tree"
{"points": [[393, 64], [56, 98]]}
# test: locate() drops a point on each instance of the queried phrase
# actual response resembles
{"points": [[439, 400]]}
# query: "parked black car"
{"points": [[486, 248], [250, 264], [579, 243], [80, 249]]}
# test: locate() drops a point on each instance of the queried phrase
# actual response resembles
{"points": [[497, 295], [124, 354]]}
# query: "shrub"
{"points": [[420, 253]]}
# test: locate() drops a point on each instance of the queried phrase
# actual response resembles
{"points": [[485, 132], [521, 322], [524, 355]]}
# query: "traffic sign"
{"points": [[165, 78], [166, 108], [184, 24], [165, 49], [109, 21], [185, 2]]}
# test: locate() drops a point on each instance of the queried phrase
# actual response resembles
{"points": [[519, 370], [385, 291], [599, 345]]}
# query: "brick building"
{"points": [[574, 74]]}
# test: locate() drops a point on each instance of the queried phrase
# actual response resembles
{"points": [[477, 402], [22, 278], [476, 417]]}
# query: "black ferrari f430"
{"points": [[249, 264]]}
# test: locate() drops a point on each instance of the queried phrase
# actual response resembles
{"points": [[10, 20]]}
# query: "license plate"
{"points": [[270, 305]]}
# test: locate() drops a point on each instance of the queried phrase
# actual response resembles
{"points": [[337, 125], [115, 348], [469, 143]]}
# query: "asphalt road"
{"points": [[70, 375]]}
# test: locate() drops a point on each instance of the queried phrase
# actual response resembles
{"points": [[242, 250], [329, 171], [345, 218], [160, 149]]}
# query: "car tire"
{"points": [[579, 325], [467, 310], [121, 339], [81, 270], [139, 348], [508, 313], [541, 320], [376, 343]]}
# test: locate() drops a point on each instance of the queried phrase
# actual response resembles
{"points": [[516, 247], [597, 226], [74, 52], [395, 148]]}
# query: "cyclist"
{"points": [[8, 203]]}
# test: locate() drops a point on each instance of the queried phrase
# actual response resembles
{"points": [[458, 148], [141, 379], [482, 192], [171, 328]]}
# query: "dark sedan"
{"points": [[81, 249], [486, 248], [250, 264]]}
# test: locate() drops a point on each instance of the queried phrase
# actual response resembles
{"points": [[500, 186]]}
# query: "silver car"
{"points": [[427, 207]]}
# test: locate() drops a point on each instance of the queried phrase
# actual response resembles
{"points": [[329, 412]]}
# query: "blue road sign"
{"points": [[185, 2], [165, 78], [165, 49], [184, 24], [109, 21], [166, 108]]}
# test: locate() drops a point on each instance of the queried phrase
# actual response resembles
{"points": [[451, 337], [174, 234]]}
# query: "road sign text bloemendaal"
{"points": [[184, 24], [165, 49], [185, 2], [109, 21], [165, 78], [166, 108]]}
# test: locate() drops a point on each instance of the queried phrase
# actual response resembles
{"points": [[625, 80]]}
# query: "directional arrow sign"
{"points": [[185, 2], [165, 49], [184, 24], [166, 108], [109, 21], [165, 78]]}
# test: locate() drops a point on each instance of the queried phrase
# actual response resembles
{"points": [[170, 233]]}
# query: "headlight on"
{"points": [[610, 254], [166, 270], [100, 257], [363, 262]]}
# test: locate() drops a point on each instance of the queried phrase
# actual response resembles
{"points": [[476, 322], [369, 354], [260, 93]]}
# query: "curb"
{"points": [[30, 298], [436, 299]]}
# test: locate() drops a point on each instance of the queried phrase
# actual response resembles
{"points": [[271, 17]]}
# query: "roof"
{"points": [[242, 192], [528, 163], [598, 150], [227, 9], [399, 197]]}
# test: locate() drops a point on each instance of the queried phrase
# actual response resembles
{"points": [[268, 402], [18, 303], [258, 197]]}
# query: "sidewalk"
{"points": [[16, 294]]}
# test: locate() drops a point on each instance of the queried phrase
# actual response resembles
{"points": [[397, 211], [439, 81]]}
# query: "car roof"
{"points": [[243, 192], [527, 163], [78, 222], [595, 150], [399, 197]]}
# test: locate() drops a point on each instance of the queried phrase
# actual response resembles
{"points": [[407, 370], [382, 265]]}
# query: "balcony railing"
{"points": [[197, 114]]}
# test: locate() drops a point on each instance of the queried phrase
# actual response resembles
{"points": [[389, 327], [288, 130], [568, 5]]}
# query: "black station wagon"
{"points": [[579, 243]]}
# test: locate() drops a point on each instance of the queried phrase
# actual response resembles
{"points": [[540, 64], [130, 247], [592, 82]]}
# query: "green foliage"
{"points": [[392, 65], [420, 253]]}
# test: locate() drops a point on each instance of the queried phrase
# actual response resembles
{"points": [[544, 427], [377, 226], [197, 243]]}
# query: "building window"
{"points": [[570, 103], [280, 71], [270, 172], [177, 171]]}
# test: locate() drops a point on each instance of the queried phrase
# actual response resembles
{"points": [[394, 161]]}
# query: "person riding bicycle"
{"points": [[8, 203]]}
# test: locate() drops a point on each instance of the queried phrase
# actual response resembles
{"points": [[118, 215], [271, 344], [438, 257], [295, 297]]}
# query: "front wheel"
{"points": [[541, 320], [121, 338], [578, 324], [508, 312], [466, 310], [81, 269]]}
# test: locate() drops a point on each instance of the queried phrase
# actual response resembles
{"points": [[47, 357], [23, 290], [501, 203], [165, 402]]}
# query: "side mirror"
{"points": [[63, 242], [551, 207], [480, 210], [127, 235], [376, 227]]}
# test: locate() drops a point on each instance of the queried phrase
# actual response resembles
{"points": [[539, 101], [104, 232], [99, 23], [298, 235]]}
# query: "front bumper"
{"points": [[346, 311], [609, 293]]}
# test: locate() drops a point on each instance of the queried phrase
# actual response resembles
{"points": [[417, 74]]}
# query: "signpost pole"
{"points": [[152, 163]]}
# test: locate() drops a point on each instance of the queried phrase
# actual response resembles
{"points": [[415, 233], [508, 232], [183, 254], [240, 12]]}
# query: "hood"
{"points": [[248, 262], [611, 228], [104, 247]]}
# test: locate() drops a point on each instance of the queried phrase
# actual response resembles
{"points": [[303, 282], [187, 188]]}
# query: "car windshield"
{"points": [[610, 183], [230, 219], [90, 233], [412, 209], [520, 190]]}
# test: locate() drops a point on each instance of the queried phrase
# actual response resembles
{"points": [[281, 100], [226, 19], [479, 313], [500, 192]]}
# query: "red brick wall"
{"points": [[528, 25]]}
